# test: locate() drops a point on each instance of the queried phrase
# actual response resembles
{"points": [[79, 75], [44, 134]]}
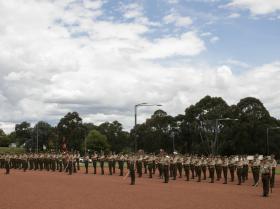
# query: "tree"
{"points": [[71, 131], [46, 136], [117, 138], [4, 139], [97, 141], [23, 132]]}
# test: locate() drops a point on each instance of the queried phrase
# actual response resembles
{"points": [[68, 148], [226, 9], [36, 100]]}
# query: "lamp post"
{"points": [[135, 117], [216, 131], [37, 137], [267, 137]]}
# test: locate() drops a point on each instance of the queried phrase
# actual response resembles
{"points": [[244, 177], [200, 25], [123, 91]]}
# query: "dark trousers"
{"points": [[150, 168], [192, 170], [160, 170], [110, 167], [86, 166], [139, 168], [204, 169], [265, 181], [187, 172], [219, 172], [231, 170], [272, 179], [198, 172], [132, 175], [102, 167], [174, 171], [225, 171], [256, 174], [121, 164], [78, 164], [94, 162], [70, 168], [114, 166], [180, 168], [239, 173], [166, 173], [7, 166], [212, 173]]}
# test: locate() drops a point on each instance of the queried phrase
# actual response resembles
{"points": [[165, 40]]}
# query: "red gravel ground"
{"points": [[47, 190]]}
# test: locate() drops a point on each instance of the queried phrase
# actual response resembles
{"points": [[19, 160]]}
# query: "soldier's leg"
{"points": [[179, 166], [225, 171], [198, 173], [239, 175], [78, 164], [150, 168], [272, 179], [192, 170], [166, 173], [132, 176], [174, 172], [121, 165], [110, 168], [145, 167], [114, 166], [265, 181], [102, 167], [154, 167], [212, 174], [86, 166]]}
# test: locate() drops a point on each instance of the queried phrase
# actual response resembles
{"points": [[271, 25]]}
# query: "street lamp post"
{"points": [[37, 145], [135, 117], [214, 147], [267, 137]]}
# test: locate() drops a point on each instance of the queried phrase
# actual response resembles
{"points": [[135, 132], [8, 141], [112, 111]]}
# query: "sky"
{"points": [[101, 57]]}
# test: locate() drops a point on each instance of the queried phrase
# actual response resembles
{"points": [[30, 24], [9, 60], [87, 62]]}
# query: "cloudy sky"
{"points": [[101, 57]]}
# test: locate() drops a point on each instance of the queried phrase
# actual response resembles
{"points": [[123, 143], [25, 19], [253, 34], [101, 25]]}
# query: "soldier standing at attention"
{"points": [[132, 169], [265, 171], [212, 169], [115, 156], [60, 161], [150, 165], [78, 160], [225, 168], [239, 170], [7, 163], [273, 167], [101, 161], [219, 167], [256, 169], [186, 163], [231, 166], [192, 165], [24, 162], [139, 165], [110, 163], [245, 168], [166, 168], [198, 168], [121, 160], [94, 161], [179, 165], [204, 166], [86, 159]]}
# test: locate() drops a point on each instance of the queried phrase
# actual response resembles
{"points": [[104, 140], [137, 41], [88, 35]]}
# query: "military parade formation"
{"points": [[165, 166]]}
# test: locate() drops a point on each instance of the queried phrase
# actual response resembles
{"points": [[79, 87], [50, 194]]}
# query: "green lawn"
{"points": [[4, 150]]}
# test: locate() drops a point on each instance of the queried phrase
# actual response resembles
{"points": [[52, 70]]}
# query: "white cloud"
{"points": [[214, 39], [234, 15], [180, 21], [256, 7], [46, 69]]}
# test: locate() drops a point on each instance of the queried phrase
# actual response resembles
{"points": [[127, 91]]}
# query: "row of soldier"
{"points": [[193, 166]]}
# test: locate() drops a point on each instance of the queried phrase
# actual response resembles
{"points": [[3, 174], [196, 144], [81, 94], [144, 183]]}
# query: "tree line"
{"points": [[209, 126]]}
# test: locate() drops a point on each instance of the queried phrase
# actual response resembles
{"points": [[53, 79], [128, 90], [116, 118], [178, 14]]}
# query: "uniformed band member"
{"points": [[86, 160], [265, 172], [256, 169], [167, 165], [273, 167]]}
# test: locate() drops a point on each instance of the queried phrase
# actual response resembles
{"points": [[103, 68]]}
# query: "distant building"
{"points": [[13, 145]]}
